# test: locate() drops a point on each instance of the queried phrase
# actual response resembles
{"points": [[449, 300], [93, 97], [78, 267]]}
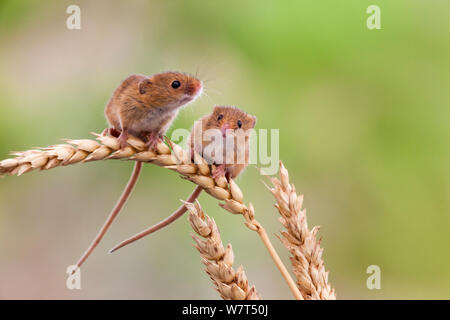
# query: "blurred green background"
{"points": [[363, 118]]}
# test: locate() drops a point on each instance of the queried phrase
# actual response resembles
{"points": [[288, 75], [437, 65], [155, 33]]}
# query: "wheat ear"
{"points": [[174, 158], [307, 263], [231, 284]]}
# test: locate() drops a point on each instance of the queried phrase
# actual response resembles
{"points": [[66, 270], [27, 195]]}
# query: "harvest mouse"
{"points": [[144, 106], [227, 122]]}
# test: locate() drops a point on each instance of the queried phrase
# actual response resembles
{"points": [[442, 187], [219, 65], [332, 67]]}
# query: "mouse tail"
{"points": [[174, 216], [120, 203]]}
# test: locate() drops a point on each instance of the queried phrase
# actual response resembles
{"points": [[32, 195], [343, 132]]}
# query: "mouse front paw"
{"points": [[219, 171], [153, 139], [123, 137], [111, 131]]}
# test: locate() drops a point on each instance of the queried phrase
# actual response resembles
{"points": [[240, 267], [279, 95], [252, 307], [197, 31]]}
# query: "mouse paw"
{"points": [[123, 137], [219, 171], [153, 140], [111, 131]]}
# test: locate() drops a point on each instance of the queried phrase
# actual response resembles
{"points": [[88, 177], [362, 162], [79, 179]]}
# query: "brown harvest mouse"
{"points": [[224, 123], [145, 107], [224, 126]]}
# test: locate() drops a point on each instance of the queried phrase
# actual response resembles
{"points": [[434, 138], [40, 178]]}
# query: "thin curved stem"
{"points": [[284, 272]]}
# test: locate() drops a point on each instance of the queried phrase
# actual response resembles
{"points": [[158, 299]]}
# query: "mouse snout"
{"points": [[194, 88], [224, 129]]}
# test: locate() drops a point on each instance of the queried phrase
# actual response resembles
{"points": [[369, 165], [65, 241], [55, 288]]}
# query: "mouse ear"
{"points": [[253, 119], [144, 85]]}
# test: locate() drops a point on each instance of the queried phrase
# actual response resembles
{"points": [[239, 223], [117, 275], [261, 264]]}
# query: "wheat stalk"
{"points": [[307, 263], [174, 158], [231, 284]]}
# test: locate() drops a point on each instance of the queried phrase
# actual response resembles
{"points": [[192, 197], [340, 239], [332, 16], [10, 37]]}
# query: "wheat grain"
{"points": [[170, 156], [218, 260], [307, 263]]}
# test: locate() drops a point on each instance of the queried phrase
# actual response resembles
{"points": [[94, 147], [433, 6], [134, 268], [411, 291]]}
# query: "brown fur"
{"points": [[147, 105], [230, 117]]}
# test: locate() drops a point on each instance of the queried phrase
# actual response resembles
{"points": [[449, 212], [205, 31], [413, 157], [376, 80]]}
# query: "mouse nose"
{"points": [[198, 88], [195, 88], [224, 129]]}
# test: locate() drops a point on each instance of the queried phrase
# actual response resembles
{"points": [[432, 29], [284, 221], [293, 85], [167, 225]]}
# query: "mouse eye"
{"points": [[239, 123], [176, 84], [220, 117]]}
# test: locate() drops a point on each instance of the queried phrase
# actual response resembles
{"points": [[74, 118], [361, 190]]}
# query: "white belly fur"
{"points": [[153, 121]]}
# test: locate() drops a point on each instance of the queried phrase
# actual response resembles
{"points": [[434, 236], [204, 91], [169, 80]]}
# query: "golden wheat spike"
{"points": [[307, 263], [230, 283]]}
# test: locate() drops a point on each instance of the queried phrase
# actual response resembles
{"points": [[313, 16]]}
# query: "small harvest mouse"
{"points": [[145, 107], [226, 121]]}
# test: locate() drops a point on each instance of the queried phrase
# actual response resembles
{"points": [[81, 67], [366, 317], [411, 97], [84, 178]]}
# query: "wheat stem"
{"points": [[284, 272]]}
